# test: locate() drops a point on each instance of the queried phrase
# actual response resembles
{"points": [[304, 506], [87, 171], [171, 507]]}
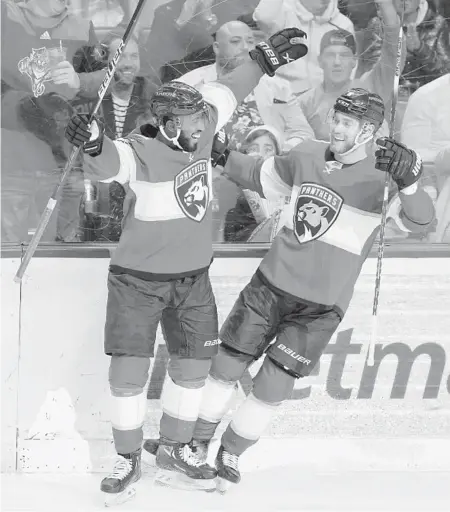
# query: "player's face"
{"points": [[316, 7], [232, 47], [129, 63], [263, 147], [337, 63], [192, 126], [343, 132]]}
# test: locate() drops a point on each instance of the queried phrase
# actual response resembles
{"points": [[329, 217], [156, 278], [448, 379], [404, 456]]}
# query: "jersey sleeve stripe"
{"points": [[222, 99], [271, 183], [127, 169]]}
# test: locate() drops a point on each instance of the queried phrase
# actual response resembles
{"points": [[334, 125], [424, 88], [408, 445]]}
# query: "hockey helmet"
{"points": [[176, 99], [362, 104]]}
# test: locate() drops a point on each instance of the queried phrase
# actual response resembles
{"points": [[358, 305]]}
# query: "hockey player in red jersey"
{"points": [[301, 291], [159, 271]]}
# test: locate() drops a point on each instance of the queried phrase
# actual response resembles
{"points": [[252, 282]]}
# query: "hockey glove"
{"points": [[90, 138], [283, 47], [220, 151], [403, 164]]}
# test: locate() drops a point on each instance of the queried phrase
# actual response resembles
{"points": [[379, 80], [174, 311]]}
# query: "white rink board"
{"points": [[62, 394], [10, 309]]}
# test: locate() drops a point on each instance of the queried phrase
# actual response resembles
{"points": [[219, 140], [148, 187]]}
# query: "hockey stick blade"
{"points": [[45, 217]]}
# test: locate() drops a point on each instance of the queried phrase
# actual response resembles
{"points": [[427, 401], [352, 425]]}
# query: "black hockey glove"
{"points": [[78, 133], [220, 151], [283, 47], [403, 164]]}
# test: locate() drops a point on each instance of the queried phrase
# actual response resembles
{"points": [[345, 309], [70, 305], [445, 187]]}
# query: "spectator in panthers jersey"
{"points": [[48, 67]]}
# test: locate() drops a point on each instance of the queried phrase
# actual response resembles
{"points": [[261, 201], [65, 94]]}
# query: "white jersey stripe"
{"points": [[155, 201], [349, 232], [272, 185], [127, 169], [220, 97]]}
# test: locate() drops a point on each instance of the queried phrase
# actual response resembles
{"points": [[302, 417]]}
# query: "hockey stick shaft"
{"points": [[381, 243], [45, 217]]}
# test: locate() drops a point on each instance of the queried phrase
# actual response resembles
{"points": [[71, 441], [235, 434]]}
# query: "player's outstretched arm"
{"points": [[269, 178], [105, 160], [405, 167], [285, 46]]}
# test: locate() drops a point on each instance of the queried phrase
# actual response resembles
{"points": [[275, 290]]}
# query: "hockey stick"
{"points": [[45, 217], [373, 336]]}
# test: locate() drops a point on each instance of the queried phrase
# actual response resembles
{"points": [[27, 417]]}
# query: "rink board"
{"points": [[55, 375]]}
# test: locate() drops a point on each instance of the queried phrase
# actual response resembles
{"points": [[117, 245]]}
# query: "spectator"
{"points": [[426, 123], [232, 44], [127, 102], [241, 211], [45, 49], [316, 18], [427, 42], [184, 26], [124, 108], [47, 61], [205, 56], [306, 117], [426, 129]]}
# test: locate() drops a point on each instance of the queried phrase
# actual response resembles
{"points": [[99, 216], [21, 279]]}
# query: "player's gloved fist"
{"points": [[283, 47], [403, 164], [90, 138], [220, 151]]}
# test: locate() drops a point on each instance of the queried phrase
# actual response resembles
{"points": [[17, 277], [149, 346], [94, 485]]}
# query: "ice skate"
{"points": [[198, 447], [183, 468], [119, 485], [227, 470]]}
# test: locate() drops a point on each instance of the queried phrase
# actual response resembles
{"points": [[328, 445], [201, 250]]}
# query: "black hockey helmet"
{"points": [[362, 104], [176, 99]]}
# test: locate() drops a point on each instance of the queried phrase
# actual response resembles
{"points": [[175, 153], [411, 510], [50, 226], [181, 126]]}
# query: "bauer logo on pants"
{"points": [[192, 190], [316, 209]]}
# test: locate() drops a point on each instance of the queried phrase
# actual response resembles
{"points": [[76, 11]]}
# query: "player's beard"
{"points": [[340, 147], [186, 142]]}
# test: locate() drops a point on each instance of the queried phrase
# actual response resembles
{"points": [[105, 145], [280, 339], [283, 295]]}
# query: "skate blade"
{"points": [[112, 500], [223, 485], [166, 478]]}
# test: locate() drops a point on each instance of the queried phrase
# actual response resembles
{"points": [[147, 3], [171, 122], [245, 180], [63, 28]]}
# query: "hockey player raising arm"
{"points": [[159, 272], [300, 293]]}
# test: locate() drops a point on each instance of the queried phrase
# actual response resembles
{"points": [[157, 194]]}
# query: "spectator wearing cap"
{"points": [[316, 18], [306, 116]]}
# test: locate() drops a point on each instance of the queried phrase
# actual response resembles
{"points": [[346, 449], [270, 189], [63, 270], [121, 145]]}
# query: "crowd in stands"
{"points": [[54, 59]]}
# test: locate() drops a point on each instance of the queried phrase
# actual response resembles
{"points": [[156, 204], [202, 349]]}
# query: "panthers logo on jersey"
{"points": [[192, 190], [316, 209]]}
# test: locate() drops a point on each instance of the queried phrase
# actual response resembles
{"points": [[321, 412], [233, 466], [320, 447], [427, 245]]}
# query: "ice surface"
{"points": [[277, 474], [271, 489]]}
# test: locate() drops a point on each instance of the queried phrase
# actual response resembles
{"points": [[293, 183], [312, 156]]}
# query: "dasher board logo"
{"points": [[192, 190], [316, 209]]}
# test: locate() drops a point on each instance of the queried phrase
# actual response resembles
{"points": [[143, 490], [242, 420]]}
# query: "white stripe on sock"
{"points": [[217, 396], [181, 403], [128, 412], [252, 418]]}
